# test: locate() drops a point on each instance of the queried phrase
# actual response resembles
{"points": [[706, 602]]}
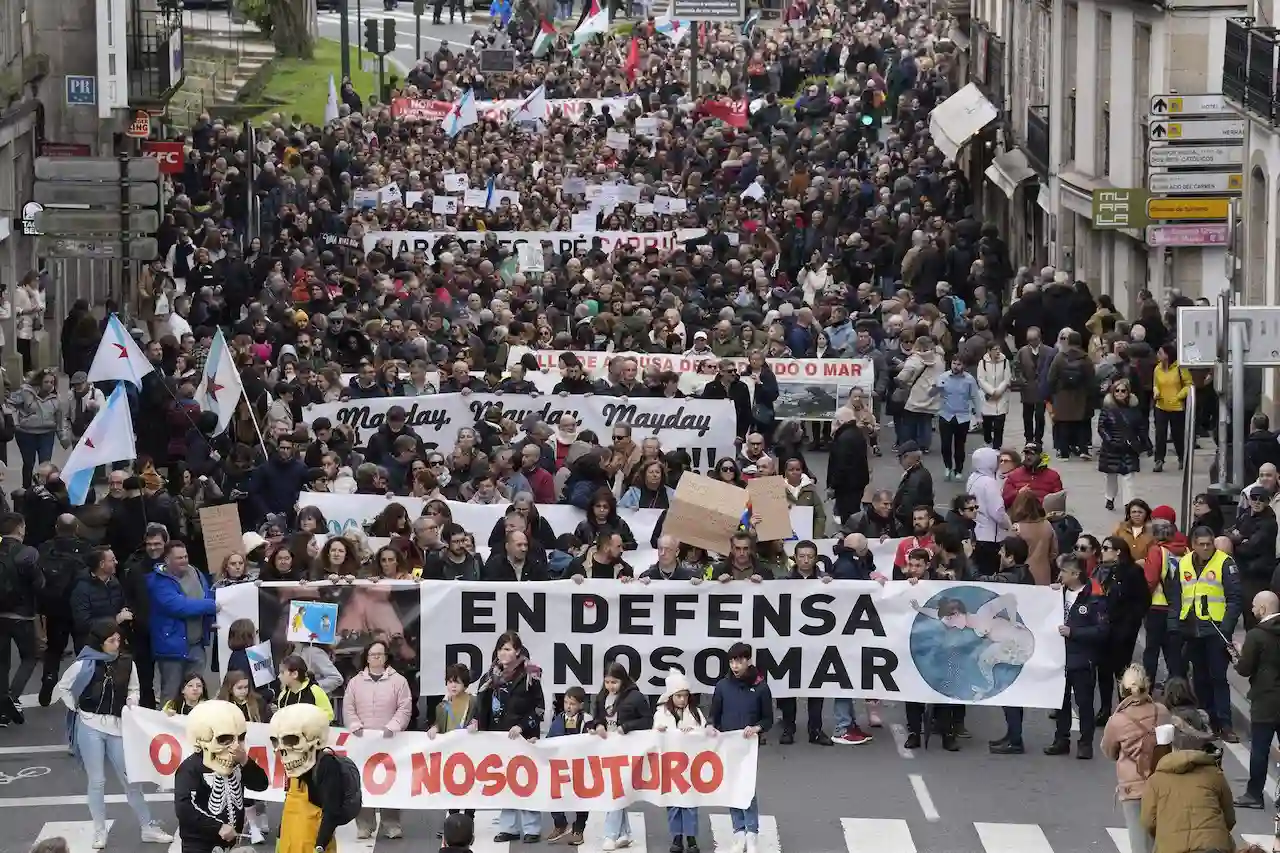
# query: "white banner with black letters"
{"points": [[935, 641], [704, 428]]}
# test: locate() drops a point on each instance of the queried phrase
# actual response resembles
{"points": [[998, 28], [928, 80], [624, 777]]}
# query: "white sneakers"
{"points": [[152, 833], [255, 834], [608, 844], [99, 838], [744, 842], [751, 842], [623, 841], [619, 843]]}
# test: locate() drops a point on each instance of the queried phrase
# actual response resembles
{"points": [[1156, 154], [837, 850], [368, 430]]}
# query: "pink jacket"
{"points": [[1129, 739], [382, 704]]}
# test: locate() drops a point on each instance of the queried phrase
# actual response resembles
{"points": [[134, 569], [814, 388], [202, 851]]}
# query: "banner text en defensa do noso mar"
{"points": [[704, 428], [932, 642], [489, 770]]}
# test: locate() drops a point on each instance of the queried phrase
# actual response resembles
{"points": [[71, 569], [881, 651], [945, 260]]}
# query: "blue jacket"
{"points": [[850, 566], [1087, 620], [585, 725], [274, 486], [170, 610], [741, 702]]}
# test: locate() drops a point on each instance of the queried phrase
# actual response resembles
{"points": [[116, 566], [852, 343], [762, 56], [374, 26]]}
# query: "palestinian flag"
{"points": [[546, 38], [596, 22]]}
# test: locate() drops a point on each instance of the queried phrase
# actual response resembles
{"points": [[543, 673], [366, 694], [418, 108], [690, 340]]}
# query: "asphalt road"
{"points": [[876, 798], [432, 34]]}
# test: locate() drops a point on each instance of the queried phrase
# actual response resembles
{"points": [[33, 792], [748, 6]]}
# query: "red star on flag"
{"points": [[214, 387], [124, 353], [457, 111], [88, 442]]}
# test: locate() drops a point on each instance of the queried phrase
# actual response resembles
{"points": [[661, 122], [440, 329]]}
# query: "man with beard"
{"points": [[275, 485]]}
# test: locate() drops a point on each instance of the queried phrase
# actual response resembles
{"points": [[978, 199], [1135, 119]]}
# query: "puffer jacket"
{"points": [[1120, 431], [1130, 741], [994, 378], [992, 520], [33, 413], [1187, 805], [382, 703]]}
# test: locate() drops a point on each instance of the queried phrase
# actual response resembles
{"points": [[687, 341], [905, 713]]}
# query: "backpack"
{"points": [[12, 585], [352, 791], [61, 569], [959, 322], [1071, 376]]}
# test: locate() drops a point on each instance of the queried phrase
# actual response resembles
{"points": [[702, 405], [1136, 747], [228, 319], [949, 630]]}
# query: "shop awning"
{"points": [[1008, 170], [955, 121]]}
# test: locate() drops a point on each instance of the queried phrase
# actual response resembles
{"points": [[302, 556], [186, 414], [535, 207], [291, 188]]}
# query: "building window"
{"points": [[1069, 129], [1142, 99], [1102, 150]]}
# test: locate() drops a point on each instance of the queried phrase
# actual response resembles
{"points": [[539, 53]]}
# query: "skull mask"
{"points": [[297, 733], [217, 729]]}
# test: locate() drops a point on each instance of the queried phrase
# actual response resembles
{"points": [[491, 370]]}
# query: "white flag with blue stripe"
{"points": [[462, 115], [220, 388], [108, 439], [119, 358]]}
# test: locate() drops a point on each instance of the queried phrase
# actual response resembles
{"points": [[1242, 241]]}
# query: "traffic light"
{"points": [[388, 35], [419, 8], [371, 35]]}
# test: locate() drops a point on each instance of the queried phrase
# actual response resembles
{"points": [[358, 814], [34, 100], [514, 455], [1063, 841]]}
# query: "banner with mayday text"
{"points": [[562, 242], [932, 641], [705, 428], [489, 770]]}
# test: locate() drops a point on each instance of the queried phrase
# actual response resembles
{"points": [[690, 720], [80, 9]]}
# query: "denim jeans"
{"points": [[96, 748], [842, 713], [617, 824], [520, 822], [918, 428], [1139, 841], [561, 820], [172, 672], [682, 820], [35, 447], [748, 819]]}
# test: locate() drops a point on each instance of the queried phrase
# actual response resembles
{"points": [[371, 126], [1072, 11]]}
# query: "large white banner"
{"points": [[934, 641], [704, 428], [489, 770], [562, 242]]}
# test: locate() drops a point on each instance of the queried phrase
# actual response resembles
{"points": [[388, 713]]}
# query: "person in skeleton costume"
{"points": [[321, 794], [208, 795]]}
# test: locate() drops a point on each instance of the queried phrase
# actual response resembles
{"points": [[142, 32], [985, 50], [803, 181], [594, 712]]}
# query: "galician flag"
{"points": [[532, 108], [595, 23], [546, 38], [462, 115], [108, 439], [331, 105], [220, 388], [119, 358]]}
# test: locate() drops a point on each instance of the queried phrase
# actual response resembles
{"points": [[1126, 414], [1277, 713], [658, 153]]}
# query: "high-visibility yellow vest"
{"points": [[1205, 588], [1158, 598]]}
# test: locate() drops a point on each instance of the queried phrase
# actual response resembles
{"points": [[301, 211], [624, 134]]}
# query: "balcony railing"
{"points": [[156, 63], [1249, 62], [1038, 137]]}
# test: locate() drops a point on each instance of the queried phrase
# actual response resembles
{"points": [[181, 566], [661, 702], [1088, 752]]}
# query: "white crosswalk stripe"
{"points": [[1013, 838], [77, 833], [722, 834], [593, 837], [866, 835], [486, 828]]}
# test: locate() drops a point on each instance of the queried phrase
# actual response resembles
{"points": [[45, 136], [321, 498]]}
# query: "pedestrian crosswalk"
{"points": [[853, 835]]}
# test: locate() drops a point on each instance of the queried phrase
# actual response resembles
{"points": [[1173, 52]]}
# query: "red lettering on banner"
{"points": [[580, 788], [340, 744], [264, 757], [615, 764], [561, 775], [424, 775], [388, 765], [704, 761], [638, 780], [810, 369], [168, 747], [674, 765], [490, 775], [841, 369], [451, 783], [522, 776]]}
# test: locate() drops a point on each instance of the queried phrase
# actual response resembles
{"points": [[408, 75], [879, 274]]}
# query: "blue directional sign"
{"points": [[82, 90]]}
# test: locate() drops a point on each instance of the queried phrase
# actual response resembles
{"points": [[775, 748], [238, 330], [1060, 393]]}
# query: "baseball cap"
{"points": [[78, 377], [1257, 493]]}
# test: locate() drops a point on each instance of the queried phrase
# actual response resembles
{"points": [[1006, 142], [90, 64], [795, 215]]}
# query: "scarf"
{"points": [[503, 676], [794, 491], [84, 675]]}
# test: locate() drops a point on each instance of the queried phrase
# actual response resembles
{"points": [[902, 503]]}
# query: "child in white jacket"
{"points": [[677, 713]]}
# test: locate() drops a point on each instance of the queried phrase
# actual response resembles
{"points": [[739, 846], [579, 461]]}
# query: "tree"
{"points": [[291, 29]]}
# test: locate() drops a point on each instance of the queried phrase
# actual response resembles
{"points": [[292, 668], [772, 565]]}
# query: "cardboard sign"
{"points": [[260, 661], [221, 528], [768, 499], [705, 512]]}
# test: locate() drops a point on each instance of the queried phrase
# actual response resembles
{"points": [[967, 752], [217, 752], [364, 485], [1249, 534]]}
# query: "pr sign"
{"points": [[169, 154]]}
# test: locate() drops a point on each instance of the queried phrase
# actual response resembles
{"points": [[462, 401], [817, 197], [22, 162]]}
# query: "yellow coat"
{"points": [[1171, 385]]}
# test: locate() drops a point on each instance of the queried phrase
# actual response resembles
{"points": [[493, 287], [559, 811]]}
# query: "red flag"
{"points": [[732, 113], [632, 64]]}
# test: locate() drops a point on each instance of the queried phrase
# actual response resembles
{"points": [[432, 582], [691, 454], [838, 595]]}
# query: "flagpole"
{"points": [[253, 417]]}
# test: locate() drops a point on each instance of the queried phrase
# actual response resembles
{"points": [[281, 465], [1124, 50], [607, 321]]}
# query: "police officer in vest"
{"points": [[1212, 600]]}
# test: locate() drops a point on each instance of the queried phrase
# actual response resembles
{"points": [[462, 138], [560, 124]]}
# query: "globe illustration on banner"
{"points": [[969, 643]]}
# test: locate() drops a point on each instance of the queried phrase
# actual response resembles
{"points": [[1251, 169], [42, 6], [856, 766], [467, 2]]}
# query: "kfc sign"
{"points": [[169, 154]]}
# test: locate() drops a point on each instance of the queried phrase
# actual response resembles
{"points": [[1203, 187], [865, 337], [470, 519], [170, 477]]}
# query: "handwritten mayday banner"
{"points": [[989, 644], [705, 428], [562, 242], [488, 770]]}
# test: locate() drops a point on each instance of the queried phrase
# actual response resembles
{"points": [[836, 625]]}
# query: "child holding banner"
{"points": [[677, 712], [742, 703], [620, 708], [571, 721]]}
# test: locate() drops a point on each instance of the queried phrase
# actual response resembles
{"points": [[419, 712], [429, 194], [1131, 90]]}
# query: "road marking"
{"points": [[867, 835], [767, 841], [1120, 838], [345, 836], [77, 833], [1012, 838], [593, 837], [923, 797], [900, 740], [1263, 841], [77, 800], [43, 748], [486, 827]]}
